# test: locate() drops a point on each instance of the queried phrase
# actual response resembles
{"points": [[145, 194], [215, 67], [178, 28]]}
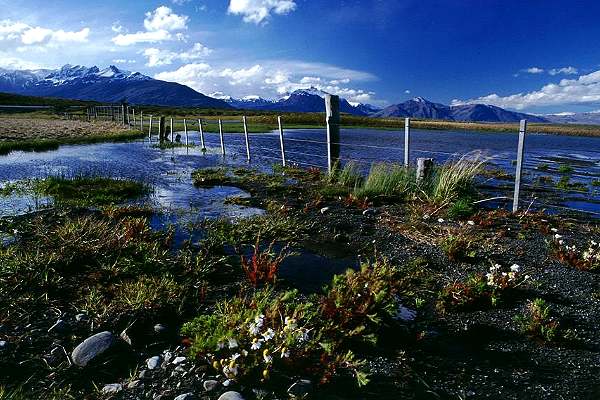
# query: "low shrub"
{"points": [[586, 260], [480, 291], [458, 248], [537, 321]]}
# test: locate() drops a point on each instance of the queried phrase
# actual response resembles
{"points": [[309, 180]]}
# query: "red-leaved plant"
{"points": [[262, 267]]}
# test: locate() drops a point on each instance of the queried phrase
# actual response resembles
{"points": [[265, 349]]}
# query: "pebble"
{"points": [[59, 327], [3, 344], [153, 362], [91, 347], [324, 210], [179, 360], [81, 318], [231, 396], [210, 385], [185, 396], [369, 211], [160, 329], [300, 389], [112, 388]]}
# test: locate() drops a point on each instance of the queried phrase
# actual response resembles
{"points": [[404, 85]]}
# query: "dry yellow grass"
{"points": [[18, 129]]}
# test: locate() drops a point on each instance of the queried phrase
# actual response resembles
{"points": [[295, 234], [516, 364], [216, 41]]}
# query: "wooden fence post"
{"points": [[171, 124], [201, 134], [133, 114], [185, 132], [221, 136], [127, 115], [332, 111], [150, 128], [406, 142], [424, 169], [162, 130], [141, 121], [519, 172], [246, 137], [281, 141]]}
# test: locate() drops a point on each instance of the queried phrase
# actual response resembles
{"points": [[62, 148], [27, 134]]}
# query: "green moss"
{"points": [[565, 169], [90, 191]]}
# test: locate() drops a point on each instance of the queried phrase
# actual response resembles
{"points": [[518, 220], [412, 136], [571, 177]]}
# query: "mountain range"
{"points": [[107, 85], [114, 85]]}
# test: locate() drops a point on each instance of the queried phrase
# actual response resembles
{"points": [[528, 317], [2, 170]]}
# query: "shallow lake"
{"points": [[169, 171]]}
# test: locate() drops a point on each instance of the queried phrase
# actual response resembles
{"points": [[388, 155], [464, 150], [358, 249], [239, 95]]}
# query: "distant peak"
{"points": [[420, 99]]}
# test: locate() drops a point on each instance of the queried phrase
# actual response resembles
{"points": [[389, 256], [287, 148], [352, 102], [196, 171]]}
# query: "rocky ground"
{"points": [[55, 347]]}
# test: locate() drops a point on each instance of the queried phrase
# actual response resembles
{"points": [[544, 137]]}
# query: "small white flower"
{"points": [[244, 353], [232, 343], [253, 329], [557, 236], [471, 223], [515, 268], [268, 358], [440, 220], [256, 344], [554, 230], [235, 356], [268, 335], [285, 353]]}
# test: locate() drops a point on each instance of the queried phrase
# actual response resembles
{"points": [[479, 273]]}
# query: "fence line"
{"points": [[129, 116]]}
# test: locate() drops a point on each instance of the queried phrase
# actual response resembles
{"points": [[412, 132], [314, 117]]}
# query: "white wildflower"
{"points": [[515, 268], [232, 343], [256, 344], [268, 335]]}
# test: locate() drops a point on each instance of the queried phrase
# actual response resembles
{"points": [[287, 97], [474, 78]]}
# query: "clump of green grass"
{"points": [[543, 167], [147, 292], [90, 191], [565, 169], [458, 248], [165, 145], [386, 180], [596, 182], [455, 179], [565, 183], [538, 322], [209, 177], [460, 209]]}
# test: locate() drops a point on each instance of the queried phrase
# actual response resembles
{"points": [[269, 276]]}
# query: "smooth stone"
{"points": [[59, 327], [185, 396], [179, 360], [210, 385], [112, 388], [160, 329], [231, 395], [91, 347], [3, 344], [369, 211], [153, 362], [300, 389], [81, 318], [324, 210]]}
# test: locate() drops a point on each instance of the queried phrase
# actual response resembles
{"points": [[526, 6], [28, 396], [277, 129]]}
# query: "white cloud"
{"points": [[159, 24], [123, 61], [564, 70], [272, 79], [583, 90], [158, 57], [9, 62], [259, 11], [163, 18], [407, 91], [534, 70], [36, 35], [117, 27]]}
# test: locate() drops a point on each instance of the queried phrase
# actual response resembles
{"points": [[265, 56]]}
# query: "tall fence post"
{"points": [[142, 121], [247, 138], [150, 128], [519, 172], [127, 116], [162, 130], [133, 115], [406, 142], [201, 134], [221, 136], [185, 132], [332, 112], [281, 141], [171, 129]]}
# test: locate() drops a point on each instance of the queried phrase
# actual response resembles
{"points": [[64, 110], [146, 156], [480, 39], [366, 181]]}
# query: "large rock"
{"points": [[91, 347], [231, 395], [153, 362]]}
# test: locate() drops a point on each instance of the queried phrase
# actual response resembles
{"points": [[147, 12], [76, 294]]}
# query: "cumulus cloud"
{"points": [[583, 90], [158, 57], [9, 62], [564, 71], [534, 70], [159, 24], [19, 32], [272, 79], [259, 11]]}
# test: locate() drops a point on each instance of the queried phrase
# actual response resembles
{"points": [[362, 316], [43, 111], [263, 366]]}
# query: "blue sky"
{"points": [[534, 56]]}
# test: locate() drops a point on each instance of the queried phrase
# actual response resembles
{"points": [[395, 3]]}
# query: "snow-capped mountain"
{"points": [[107, 85], [301, 100], [587, 118], [419, 107]]}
